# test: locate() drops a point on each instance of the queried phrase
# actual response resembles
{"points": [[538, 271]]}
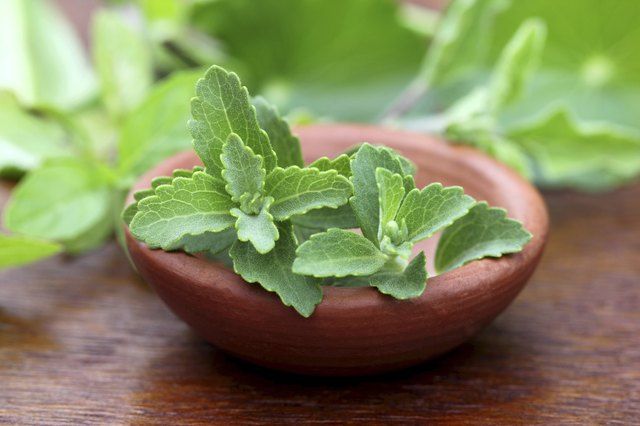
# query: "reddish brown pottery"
{"points": [[356, 330]]}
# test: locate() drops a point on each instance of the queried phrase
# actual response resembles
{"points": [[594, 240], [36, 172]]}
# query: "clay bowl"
{"points": [[356, 331]]}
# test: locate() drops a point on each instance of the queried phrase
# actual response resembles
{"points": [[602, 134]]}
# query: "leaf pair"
{"points": [[393, 216]]}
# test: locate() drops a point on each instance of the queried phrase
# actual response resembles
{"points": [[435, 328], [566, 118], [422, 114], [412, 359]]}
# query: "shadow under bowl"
{"points": [[355, 331]]}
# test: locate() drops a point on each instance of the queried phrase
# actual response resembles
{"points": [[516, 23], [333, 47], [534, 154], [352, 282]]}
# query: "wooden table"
{"points": [[85, 341]]}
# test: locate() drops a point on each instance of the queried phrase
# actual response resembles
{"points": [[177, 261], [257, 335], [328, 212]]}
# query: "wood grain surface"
{"points": [[85, 341]]}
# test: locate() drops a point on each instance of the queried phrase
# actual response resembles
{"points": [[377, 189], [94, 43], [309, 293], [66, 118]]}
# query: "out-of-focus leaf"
{"points": [[42, 61], [62, 201], [123, 61], [158, 128], [26, 140], [17, 250], [591, 157], [338, 58]]}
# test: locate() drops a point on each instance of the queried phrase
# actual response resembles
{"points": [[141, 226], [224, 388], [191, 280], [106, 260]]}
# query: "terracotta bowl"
{"points": [[356, 330]]}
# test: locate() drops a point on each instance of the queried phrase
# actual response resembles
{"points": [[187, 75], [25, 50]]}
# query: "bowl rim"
{"points": [[528, 207]]}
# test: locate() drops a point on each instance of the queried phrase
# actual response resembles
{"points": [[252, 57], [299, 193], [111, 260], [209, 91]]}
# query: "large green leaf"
{"points": [[222, 107], [339, 58], [61, 201], [434, 207], [123, 61], [186, 206], [17, 250], [43, 61], [338, 253], [296, 191], [483, 232], [158, 127], [27, 140], [273, 272]]}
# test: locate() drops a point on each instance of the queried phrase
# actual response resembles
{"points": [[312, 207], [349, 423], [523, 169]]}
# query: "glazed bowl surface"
{"points": [[355, 331]]}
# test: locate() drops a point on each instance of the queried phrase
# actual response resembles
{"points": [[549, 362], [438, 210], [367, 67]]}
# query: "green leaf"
{"points": [[405, 285], [296, 191], [292, 64], [516, 64], [123, 61], [391, 194], [26, 140], [285, 145], [434, 207], [60, 201], [365, 202], [187, 206], [483, 232], [273, 272], [326, 218], [18, 250], [222, 107], [338, 253], [260, 229], [43, 60], [588, 156], [243, 171], [341, 164], [157, 129]]}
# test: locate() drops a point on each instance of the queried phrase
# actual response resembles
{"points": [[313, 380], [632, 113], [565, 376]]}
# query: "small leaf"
{"points": [[391, 194], [296, 191], [260, 229], [242, 170], [123, 61], [273, 272], [405, 285], [338, 253], [18, 250], [483, 232], [427, 211], [60, 201], [341, 164], [187, 206], [222, 107], [365, 202], [284, 144]]}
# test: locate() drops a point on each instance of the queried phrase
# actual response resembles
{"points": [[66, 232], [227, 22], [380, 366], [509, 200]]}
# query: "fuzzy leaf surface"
{"points": [[222, 107], [483, 232], [259, 229], [428, 210], [273, 272], [391, 194], [187, 206], [338, 253], [296, 191]]}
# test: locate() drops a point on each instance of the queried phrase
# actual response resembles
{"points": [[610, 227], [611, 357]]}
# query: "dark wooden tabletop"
{"points": [[85, 341]]}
